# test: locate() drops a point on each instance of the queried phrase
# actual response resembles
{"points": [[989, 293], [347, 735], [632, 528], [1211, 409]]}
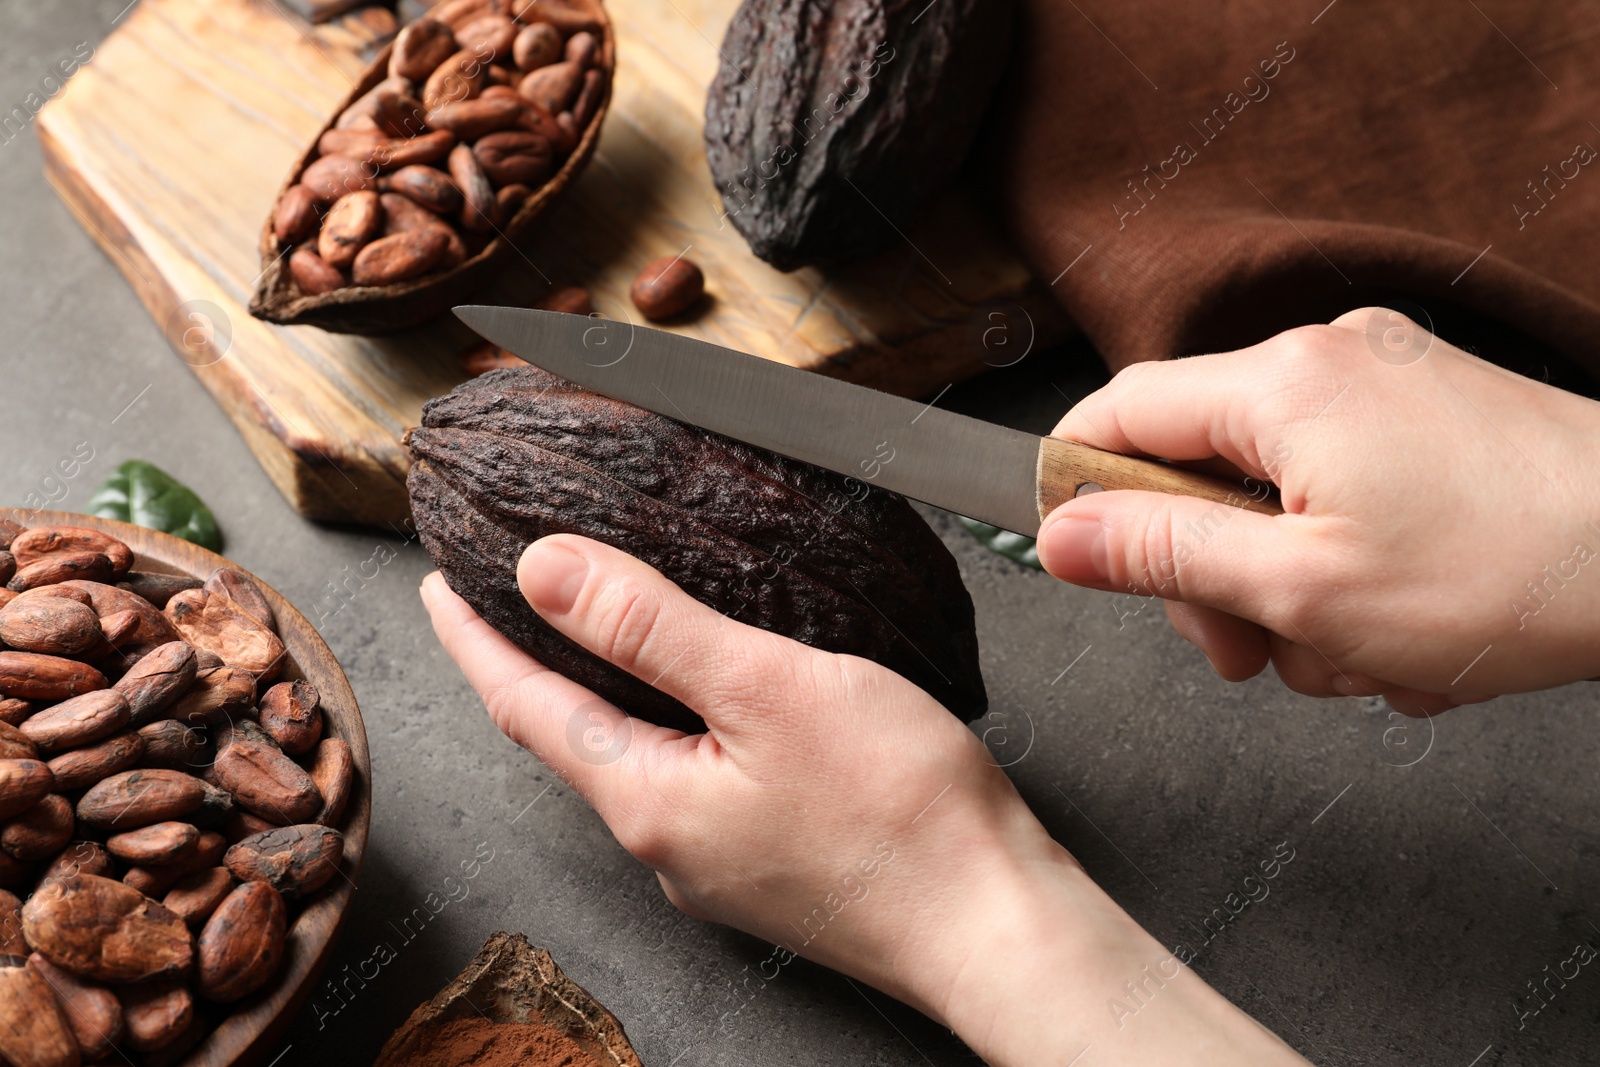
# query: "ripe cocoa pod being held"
{"points": [[520, 454]]}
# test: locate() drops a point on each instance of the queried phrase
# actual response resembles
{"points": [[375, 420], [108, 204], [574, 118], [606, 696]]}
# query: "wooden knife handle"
{"points": [[1065, 467]]}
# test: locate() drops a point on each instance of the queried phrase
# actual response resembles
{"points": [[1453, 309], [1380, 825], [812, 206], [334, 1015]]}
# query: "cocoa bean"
{"points": [[194, 898], [242, 943], [32, 676], [535, 119], [158, 588], [158, 845], [119, 643], [397, 152], [42, 542], [486, 356], [23, 783], [9, 530], [457, 13], [333, 770], [153, 882], [312, 274], [352, 221], [331, 177], [80, 857], [218, 693], [588, 102], [537, 46], [563, 16], [106, 931], [173, 745], [177, 1054], [397, 112], [14, 744], [239, 587], [83, 767], [297, 216], [514, 156], [359, 114], [14, 711], [431, 188], [471, 119], [80, 721], [39, 833], [265, 782], [582, 48], [33, 1028], [489, 36], [154, 627], [573, 300], [93, 1014], [667, 288], [496, 76], [295, 860], [138, 798], [400, 257], [241, 824], [458, 78], [553, 87], [55, 626], [401, 214], [52, 570], [206, 660], [6, 571], [499, 92], [156, 1014], [69, 591], [12, 943], [357, 144], [291, 716], [214, 622], [455, 251], [511, 198], [156, 681], [480, 211], [420, 48]]}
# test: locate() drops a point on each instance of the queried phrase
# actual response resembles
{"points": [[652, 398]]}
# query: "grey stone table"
{"points": [[1437, 871]]}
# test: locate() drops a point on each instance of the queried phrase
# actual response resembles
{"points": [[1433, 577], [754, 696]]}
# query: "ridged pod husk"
{"points": [[832, 122], [521, 454]]}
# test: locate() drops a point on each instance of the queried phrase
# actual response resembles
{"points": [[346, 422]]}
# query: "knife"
{"points": [[991, 473]]}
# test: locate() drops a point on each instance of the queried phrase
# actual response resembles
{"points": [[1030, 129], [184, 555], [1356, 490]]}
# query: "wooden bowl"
{"points": [[258, 1023]]}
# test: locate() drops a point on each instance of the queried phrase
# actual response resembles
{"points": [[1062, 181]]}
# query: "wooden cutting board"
{"points": [[170, 145]]}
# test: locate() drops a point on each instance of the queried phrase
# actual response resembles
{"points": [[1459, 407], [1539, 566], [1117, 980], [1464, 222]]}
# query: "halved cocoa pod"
{"points": [[83, 767], [291, 716], [156, 1014], [157, 680], [34, 1031], [53, 570], [23, 783], [215, 623], [391, 308], [55, 626], [218, 694], [93, 1013], [42, 542], [40, 832], [14, 744], [81, 721], [80, 857], [241, 946], [239, 587], [14, 710], [520, 454], [106, 931], [333, 770], [295, 860], [196, 896], [12, 944], [264, 781], [174, 745], [158, 845], [133, 799]]}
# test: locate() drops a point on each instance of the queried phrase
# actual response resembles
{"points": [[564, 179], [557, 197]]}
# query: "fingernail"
{"points": [[555, 577], [1076, 550]]}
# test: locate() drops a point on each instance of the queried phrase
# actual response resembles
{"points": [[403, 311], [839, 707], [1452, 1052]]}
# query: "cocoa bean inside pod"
{"points": [[516, 455], [14, 744], [33, 1027], [8, 567], [431, 188], [241, 945], [9, 531], [14, 874], [138, 798], [291, 716], [80, 857], [331, 177], [312, 274], [52, 570], [93, 1013], [240, 588], [80, 721], [536, 46], [588, 102], [194, 898], [297, 218], [553, 87], [515, 156], [400, 257], [156, 681], [106, 931], [458, 78], [55, 626], [398, 112], [479, 210], [83, 767], [566, 17], [419, 49], [489, 36], [471, 119], [214, 622], [23, 783], [42, 542], [295, 860], [40, 832], [156, 1014], [352, 221]]}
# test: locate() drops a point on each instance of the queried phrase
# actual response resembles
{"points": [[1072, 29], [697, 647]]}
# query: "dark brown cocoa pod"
{"points": [[173, 745], [291, 716], [42, 542], [401, 257], [14, 711], [23, 783], [295, 860], [157, 680], [40, 832], [431, 188], [334, 771], [79, 857], [195, 897], [32, 676], [516, 455], [55, 626], [667, 288], [352, 221], [106, 931], [419, 49], [34, 1031], [824, 115], [218, 694], [156, 1014], [158, 845], [264, 781], [240, 588], [133, 799], [241, 945], [157, 588], [93, 1013], [14, 744], [52, 570], [297, 218], [214, 622], [81, 721], [83, 767], [480, 211]]}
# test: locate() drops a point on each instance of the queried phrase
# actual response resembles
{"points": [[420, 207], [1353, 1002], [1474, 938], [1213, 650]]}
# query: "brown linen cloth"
{"points": [[1197, 176]]}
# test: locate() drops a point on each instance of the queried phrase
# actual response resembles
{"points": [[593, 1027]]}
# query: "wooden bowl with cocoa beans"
{"points": [[184, 800]]}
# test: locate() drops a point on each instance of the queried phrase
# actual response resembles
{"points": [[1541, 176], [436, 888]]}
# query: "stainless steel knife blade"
{"points": [[973, 468]]}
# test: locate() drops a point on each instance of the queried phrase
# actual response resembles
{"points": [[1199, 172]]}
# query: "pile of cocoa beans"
{"points": [[165, 800], [485, 100]]}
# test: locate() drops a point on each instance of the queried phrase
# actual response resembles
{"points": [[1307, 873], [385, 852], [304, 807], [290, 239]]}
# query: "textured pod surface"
{"points": [[520, 454], [884, 93]]}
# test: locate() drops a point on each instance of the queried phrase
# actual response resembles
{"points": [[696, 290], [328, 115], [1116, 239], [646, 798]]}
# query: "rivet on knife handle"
{"points": [[1065, 467]]}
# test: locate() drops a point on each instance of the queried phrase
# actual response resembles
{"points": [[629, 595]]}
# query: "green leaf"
{"points": [[1015, 547], [148, 496]]}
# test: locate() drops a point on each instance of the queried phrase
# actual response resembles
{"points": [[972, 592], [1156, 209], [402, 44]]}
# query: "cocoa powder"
{"points": [[481, 1043]]}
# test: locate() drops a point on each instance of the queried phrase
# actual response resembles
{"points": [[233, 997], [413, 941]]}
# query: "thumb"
{"points": [[1176, 547]]}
